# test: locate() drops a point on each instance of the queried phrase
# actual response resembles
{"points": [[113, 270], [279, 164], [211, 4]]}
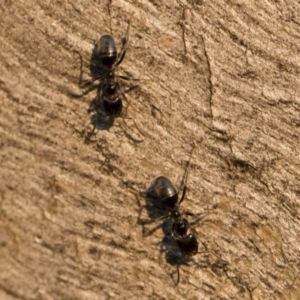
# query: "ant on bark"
{"points": [[163, 195], [104, 62]]}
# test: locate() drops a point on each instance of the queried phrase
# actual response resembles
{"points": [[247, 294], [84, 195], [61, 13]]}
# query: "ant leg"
{"points": [[201, 216], [80, 80], [85, 83], [149, 221], [98, 120], [178, 266], [145, 222], [131, 89], [178, 274], [128, 118], [123, 94], [129, 79], [225, 262], [125, 78], [208, 251], [91, 133], [220, 263], [122, 54], [86, 92], [150, 232]]}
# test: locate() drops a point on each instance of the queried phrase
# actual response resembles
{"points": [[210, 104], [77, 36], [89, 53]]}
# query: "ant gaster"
{"points": [[109, 93], [188, 245]]}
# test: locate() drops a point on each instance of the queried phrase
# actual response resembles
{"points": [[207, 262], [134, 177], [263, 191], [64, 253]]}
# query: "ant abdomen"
{"points": [[107, 50], [188, 245], [113, 108], [165, 193]]}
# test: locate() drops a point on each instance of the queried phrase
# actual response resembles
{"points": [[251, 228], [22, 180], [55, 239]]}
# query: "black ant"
{"points": [[164, 195], [108, 102]]}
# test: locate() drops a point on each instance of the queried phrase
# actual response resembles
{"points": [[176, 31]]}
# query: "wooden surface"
{"points": [[223, 75]]}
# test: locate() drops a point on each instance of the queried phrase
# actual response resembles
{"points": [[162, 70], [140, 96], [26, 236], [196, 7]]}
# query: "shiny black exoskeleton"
{"points": [[165, 192], [164, 195], [109, 94], [188, 246], [107, 50], [109, 91]]}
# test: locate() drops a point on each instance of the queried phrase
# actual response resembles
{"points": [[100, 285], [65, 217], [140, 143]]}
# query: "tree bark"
{"points": [[220, 75]]}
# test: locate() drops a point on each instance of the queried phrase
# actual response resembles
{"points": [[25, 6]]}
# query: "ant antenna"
{"points": [[186, 175]]}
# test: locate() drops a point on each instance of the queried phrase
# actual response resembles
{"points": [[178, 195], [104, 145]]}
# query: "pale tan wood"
{"points": [[223, 75]]}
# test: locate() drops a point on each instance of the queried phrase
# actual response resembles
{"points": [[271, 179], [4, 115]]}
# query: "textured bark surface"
{"points": [[223, 75]]}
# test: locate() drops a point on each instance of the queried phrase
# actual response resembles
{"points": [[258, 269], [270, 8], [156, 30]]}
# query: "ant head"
{"points": [[107, 50], [165, 193]]}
